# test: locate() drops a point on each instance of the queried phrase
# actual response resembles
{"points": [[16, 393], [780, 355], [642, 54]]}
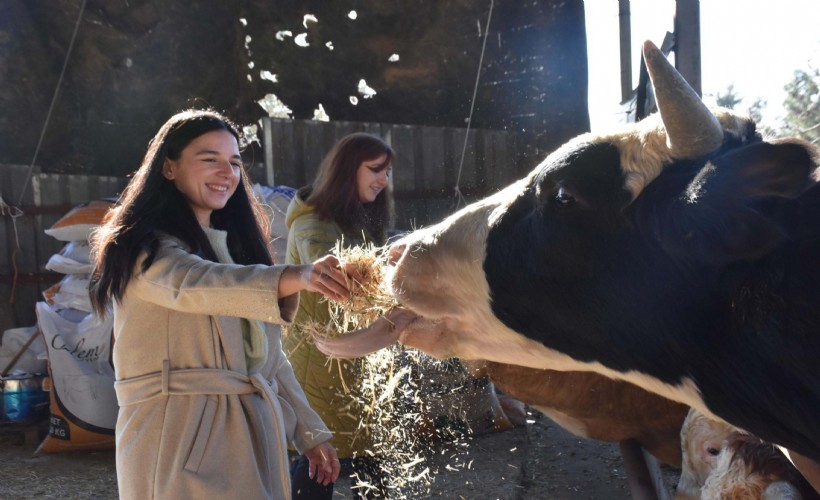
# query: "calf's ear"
{"points": [[731, 210]]}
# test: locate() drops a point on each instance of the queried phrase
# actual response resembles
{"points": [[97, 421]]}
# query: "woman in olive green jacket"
{"points": [[349, 201]]}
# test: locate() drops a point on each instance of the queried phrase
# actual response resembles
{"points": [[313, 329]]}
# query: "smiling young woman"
{"points": [[207, 398]]}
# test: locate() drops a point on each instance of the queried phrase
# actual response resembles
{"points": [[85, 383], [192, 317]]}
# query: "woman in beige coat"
{"points": [[207, 398]]}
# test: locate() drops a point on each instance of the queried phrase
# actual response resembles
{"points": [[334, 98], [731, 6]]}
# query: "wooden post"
{"points": [[267, 142], [687, 42], [625, 30]]}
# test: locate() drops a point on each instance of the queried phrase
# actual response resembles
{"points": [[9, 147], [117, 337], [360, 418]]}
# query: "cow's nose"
{"points": [[395, 252]]}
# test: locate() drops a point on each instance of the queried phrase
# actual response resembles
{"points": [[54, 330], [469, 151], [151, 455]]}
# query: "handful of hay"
{"points": [[370, 296]]}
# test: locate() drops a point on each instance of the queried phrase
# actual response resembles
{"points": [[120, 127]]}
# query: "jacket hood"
{"points": [[298, 206]]}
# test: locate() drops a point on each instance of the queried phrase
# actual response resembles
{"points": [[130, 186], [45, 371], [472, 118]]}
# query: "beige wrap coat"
{"points": [[193, 423]]}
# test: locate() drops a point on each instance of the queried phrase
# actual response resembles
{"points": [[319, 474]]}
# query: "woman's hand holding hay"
{"points": [[371, 318]]}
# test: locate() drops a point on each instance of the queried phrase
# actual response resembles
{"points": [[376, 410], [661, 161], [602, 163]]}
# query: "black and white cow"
{"points": [[681, 254]]}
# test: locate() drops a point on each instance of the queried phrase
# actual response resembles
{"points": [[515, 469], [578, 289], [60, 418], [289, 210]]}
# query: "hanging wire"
{"points": [[53, 101], [459, 197], [14, 211]]}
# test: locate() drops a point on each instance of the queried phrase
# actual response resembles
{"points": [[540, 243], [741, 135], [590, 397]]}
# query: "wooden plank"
{"points": [[404, 172], [437, 210], [331, 133], [432, 140], [17, 177], [345, 128], [410, 214], [314, 150], [298, 146], [481, 160], [285, 163], [467, 180], [505, 169], [377, 129], [276, 146], [111, 187], [267, 152], [77, 189], [11, 184]]}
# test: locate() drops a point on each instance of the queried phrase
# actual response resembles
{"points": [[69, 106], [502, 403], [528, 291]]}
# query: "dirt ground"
{"points": [[539, 460]]}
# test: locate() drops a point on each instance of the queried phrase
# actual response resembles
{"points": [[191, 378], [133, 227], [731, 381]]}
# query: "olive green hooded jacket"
{"points": [[323, 381]]}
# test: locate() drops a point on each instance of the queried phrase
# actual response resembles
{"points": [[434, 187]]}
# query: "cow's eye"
{"points": [[713, 451], [564, 198]]}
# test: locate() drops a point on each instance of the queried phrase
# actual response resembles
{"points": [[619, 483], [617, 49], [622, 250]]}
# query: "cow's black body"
{"points": [[712, 274]]}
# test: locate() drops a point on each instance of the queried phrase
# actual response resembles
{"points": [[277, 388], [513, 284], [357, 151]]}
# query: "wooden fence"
{"points": [[424, 181], [427, 162]]}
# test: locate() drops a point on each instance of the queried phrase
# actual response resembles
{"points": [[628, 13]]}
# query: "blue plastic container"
{"points": [[22, 399]]}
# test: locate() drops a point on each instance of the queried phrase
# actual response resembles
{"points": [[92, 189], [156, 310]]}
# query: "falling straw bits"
{"points": [[389, 403]]}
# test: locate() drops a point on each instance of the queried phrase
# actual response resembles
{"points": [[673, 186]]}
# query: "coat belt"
{"points": [[189, 382]]}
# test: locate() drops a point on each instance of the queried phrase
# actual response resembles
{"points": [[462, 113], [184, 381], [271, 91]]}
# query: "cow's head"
{"points": [[540, 272]]}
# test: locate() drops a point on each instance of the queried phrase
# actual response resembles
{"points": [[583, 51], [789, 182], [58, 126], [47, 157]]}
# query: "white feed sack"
{"points": [[72, 293], [80, 221], [74, 258], [79, 356]]}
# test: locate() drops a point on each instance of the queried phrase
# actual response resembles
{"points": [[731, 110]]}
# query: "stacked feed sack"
{"points": [[276, 200], [78, 342]]}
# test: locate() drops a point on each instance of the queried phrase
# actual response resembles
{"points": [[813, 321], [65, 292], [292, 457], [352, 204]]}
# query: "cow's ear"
{"points": [[731, 211], [781, 169]]}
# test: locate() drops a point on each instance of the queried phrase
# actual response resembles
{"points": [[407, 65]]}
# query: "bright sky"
{"points": [[752, 44]]}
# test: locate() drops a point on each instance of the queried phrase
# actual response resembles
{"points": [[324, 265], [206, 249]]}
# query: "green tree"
{"points": [[756, 112], [803, 106], [730, 99], [756, 109]]}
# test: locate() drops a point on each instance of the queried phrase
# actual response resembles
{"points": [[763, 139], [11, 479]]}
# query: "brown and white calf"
{"points": [[720, 463]]}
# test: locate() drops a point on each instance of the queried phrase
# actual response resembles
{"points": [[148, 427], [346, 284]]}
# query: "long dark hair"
{"points": [[335, 196], [151, 204]]}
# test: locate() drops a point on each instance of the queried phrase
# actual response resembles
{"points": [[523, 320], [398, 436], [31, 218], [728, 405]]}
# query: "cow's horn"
{"points": [[691, 129]]}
